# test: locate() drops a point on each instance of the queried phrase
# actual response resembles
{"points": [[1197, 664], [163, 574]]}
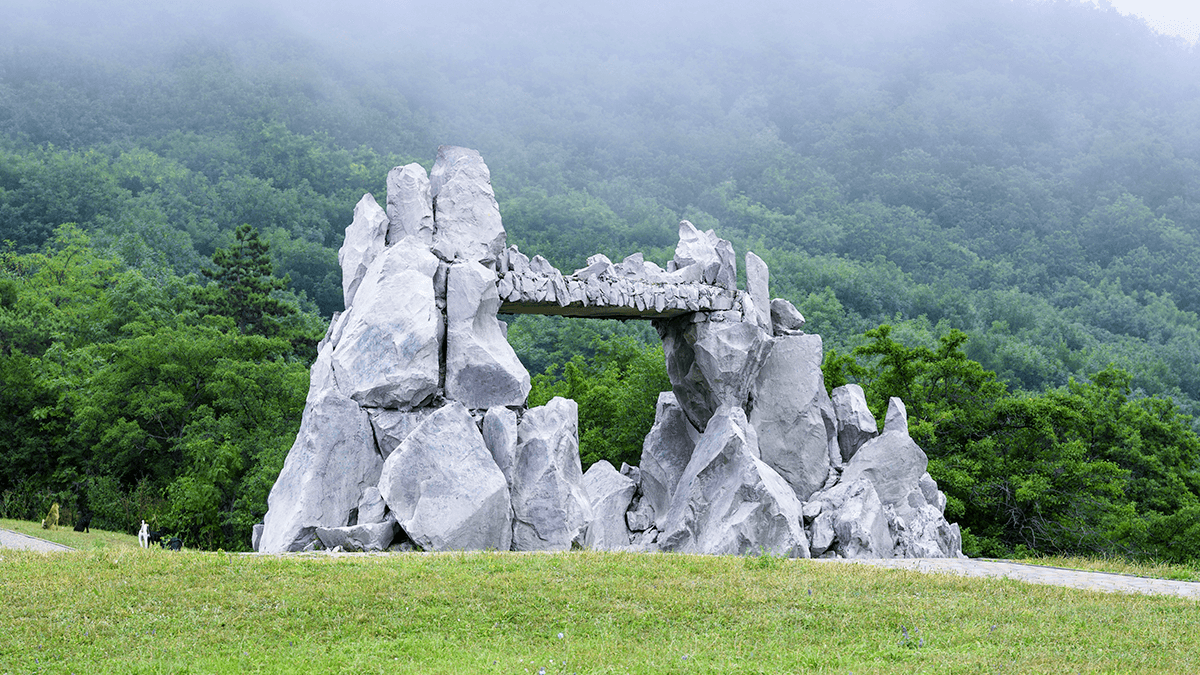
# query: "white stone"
{"points": [[482, 370], [551, 509], [897, 416], [860, 525], [466, 215], [893, 463], [757, 283], [610, 494], [388, 355], [730, 502], [785, 318], [855, 423], [445, 489], [393, 426], [363, 538], [331, 463], [409, 205], [371, 507], [500, 436], [792, 414], [365, 239]]}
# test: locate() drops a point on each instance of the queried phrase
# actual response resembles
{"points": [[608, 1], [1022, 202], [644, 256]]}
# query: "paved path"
{"points": [[10, 539], [1038, 574]]}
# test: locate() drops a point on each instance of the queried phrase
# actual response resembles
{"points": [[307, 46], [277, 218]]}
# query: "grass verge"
{"points": [[1150, 570], [151, 611], [83, 541]]}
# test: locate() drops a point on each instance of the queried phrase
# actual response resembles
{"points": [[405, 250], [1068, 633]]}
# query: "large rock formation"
{"points": [[415, 427]]}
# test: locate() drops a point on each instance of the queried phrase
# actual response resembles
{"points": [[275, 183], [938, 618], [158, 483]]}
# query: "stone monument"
{"points": [[416, 428]]}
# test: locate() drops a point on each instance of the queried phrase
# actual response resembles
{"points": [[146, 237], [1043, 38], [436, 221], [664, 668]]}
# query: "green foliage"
{"points": [[1083, 469], [617, 392], [128, 388]]}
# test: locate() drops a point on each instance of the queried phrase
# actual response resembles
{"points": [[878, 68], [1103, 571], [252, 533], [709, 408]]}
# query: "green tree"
{"points": [[243, 273], [617, 391]]}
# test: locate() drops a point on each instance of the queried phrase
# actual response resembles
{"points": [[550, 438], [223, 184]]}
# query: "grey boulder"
{"points": [[893, 463], [393, 426], [551, 509], [444, 488], [730, 502], [466, 215], [331, 463], [785, 318], [925, 533], [610, 494], [500, 436], [409, 205], [712, 364], [482, 370], [371, 507], [366, 538], [793, 416], [853, 522], [855, 423], [388, 354], [712, 255]]}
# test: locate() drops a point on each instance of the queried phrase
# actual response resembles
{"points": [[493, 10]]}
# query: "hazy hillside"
{"points": [[1025, 171]]}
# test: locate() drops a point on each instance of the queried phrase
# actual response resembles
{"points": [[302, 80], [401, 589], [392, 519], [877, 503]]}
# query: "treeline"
{"points": [[127, 397]]}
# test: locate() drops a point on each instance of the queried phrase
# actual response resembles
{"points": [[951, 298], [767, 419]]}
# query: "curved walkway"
{"points": [[24, 542], [1037, 574]]}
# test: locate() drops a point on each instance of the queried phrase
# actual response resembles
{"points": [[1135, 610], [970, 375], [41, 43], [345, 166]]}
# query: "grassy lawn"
{"points": [[151, 611]]}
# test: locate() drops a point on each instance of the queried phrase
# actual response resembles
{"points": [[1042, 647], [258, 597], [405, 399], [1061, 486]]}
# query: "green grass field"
{"points": [[117, 608]]}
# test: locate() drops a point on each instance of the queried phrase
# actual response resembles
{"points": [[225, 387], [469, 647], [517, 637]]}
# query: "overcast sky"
{"points": [[1173, 17]]}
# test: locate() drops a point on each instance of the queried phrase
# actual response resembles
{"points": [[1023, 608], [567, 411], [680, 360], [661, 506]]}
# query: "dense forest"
{"points": [[990, 208]]}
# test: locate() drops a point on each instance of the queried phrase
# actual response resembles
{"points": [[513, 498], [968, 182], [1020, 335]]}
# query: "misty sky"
{"points": [[1172, 17]]}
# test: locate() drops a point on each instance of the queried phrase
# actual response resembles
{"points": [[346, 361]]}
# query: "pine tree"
{"points": [[245, 278]]}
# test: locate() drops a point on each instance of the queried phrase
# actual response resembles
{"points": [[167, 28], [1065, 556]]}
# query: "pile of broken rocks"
{"points": [[416, 434]]}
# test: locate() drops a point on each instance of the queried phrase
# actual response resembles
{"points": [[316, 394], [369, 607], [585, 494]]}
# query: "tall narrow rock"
{"points": [[482, 370], [500, 436], [792, 414], [758, 278], [730, 502], [388, 355], [332, 462], [551, 509], [409, 205], [445, 489], [365, 240], [466, 215], [666, 452]]}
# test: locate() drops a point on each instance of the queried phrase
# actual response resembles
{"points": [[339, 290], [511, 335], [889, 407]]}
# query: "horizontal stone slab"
{"points": [[590, 311]]}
